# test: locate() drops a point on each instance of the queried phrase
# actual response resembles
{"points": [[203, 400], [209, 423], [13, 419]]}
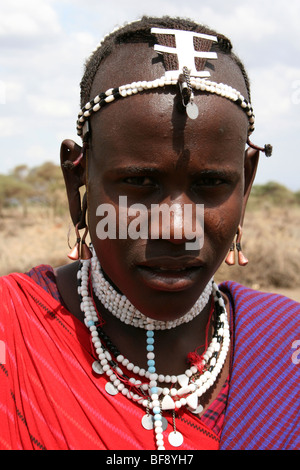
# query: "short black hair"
{"points": [[140, 31]]}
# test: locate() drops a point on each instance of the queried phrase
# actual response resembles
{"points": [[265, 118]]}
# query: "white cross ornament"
{"points": [[185, 51]]}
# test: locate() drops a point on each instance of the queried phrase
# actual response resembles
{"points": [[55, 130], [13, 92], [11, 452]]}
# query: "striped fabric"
{"points": [[263, 409]]}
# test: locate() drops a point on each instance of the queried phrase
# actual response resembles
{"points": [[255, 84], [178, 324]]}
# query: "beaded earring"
{"points": [[70, 165], [80, 250], [230, 259], [242, 260], [74, 254]]}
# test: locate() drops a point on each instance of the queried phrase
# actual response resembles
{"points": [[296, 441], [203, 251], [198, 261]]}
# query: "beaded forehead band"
{"points": [[184, 61]]}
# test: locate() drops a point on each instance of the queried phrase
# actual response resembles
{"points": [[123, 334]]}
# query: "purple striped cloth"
{"points": [[263, 408]]}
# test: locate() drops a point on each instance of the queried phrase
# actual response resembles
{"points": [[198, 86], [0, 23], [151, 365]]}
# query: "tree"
{"points": [[12, 189], [20, 172], [48, 183]]}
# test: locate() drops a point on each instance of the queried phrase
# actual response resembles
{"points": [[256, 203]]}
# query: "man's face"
{"points": [[146, 150]]}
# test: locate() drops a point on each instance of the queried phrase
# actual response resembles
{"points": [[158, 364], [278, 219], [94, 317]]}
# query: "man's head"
{"points": [[146, 149], [180, 43]]}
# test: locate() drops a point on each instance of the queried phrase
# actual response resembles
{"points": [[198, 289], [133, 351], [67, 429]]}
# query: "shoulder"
{"points": [[42, 275], [248, 298], [41, 278], [262, 313], [262, 407], [60, 283], [66, 281]]}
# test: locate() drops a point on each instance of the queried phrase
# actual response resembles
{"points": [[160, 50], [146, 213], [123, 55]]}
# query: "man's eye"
{"points": [[139, 181], [209, 182]]}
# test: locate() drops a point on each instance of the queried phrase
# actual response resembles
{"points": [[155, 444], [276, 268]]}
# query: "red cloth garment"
{"points": [[49, 397]]}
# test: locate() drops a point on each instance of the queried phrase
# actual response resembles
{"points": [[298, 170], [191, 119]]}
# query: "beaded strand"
{"points": [[155, 403], [148, 394], [200, 84], [119, 306]]}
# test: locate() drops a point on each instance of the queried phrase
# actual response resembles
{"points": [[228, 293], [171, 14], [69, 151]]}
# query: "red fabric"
{"points": [[49, 396]]}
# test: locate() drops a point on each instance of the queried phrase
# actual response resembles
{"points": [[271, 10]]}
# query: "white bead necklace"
{"points": [[192, 384], [119, 306]]}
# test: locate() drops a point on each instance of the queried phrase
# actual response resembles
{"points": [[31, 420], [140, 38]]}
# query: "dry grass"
{"points": [[270, 242], [39, 238]]}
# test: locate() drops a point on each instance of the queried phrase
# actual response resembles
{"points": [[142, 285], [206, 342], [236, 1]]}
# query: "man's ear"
{"points": [[73, 168], [250, 168]]}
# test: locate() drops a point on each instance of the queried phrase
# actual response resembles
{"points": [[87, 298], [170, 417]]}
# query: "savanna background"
{"points": [[44, 44], [35, 228]]}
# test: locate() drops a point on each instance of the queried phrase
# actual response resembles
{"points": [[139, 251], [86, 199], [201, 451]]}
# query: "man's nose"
{"points": [[179, 220]]}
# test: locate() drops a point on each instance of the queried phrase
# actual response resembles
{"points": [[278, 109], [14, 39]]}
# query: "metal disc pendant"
{"points": [[148, 423], [111, 389], [164, 423], [197, 411], [97, 368], [175, 439], [192, 110]]}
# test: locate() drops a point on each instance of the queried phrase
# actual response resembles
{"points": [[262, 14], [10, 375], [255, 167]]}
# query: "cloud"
{"points": [[277, 104], [10, 127], [2, 92], [50, 107], [37, 154], [44, 44], [27, 20]]}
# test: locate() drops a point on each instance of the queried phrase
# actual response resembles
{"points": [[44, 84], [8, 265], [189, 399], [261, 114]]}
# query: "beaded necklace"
{"points": [[119, 306], [184, 390]]}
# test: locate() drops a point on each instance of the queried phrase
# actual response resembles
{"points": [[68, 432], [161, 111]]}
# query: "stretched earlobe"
{"points": [[251, 160], [72, 158], [80, 250], [72, 155], [242, 260], [230, 259], [250, 167]]}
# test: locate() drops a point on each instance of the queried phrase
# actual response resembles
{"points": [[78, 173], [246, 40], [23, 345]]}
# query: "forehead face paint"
{"points": [[184, 50]]}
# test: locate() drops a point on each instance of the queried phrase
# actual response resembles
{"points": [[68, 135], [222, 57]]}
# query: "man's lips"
{"points": [[169, 263], [170, 274]]}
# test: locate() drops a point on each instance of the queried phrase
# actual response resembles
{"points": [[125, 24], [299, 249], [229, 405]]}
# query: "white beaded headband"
{"points": [[187, 77]]}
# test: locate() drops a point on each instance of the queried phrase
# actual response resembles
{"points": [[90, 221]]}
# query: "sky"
{"points": [[44, 44]]}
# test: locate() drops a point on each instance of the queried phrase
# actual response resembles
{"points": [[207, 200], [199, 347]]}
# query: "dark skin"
{"points": [[145, 148]]}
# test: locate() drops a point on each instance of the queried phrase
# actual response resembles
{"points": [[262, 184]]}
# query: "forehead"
{"points": [[152, 116], [148, 129]]}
